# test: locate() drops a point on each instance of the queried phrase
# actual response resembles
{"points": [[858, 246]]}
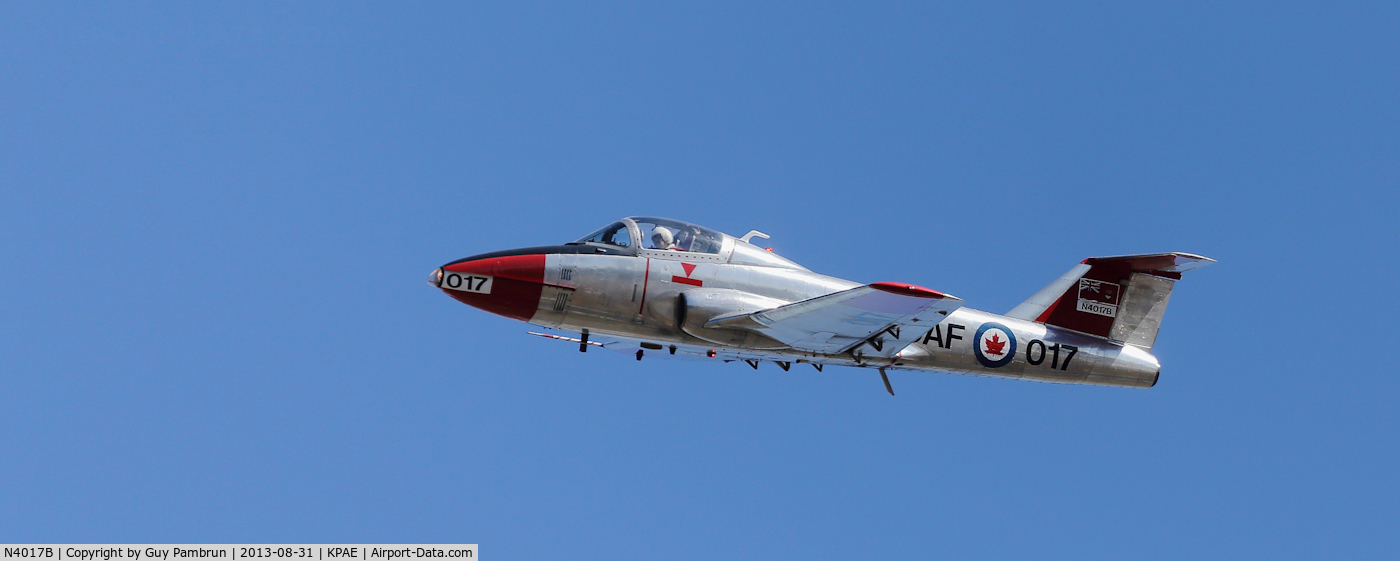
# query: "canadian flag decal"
{"points": [[689, 268]]}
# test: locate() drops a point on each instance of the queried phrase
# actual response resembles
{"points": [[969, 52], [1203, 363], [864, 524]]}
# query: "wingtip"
{"points": [[905, 289], [1192, 261]]}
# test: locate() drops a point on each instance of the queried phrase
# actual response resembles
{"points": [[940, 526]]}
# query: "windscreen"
{"points": [[612, 234]]}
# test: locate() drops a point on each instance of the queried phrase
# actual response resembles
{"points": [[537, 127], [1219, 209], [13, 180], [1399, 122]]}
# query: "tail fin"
{"points": [[1121, 298]]}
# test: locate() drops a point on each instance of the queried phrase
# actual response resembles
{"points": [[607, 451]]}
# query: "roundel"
{"points": [[995, 345]]}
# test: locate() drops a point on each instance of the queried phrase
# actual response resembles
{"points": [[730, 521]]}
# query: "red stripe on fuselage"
{"points": [[646, 279]]}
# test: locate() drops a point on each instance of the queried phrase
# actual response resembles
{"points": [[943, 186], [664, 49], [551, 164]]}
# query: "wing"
{"points": [[840, 321]]}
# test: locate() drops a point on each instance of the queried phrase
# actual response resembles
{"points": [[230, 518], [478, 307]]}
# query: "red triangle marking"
{"points": [[688, 268]]}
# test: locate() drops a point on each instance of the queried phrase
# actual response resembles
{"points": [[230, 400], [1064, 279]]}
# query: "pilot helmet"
{"points": [[661, 237]]}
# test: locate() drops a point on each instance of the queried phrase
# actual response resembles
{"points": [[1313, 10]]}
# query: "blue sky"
{"points": [[215, 220]]}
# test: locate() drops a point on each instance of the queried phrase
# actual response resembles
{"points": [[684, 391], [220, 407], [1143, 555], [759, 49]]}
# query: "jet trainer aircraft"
{"points": [[674, 288]]}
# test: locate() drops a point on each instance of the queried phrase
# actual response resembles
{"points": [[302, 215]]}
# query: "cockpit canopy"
{"points": [[680, 239], [661, 234]]}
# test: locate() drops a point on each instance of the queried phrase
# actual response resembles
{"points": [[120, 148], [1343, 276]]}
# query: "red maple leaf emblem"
{"points": [[995, 344]]}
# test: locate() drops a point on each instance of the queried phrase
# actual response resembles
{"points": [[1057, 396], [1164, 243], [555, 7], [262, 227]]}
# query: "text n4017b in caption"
{"points": [[235, 552]]}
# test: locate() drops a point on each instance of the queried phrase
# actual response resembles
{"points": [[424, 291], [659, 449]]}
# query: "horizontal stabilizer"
{"points": [[837, 322]]}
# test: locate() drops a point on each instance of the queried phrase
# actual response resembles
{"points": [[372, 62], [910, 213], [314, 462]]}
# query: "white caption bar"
{"points": [[250, 552]]}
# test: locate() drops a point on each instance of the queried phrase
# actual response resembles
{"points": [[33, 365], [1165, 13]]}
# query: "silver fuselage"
{"points": [[639, 298]]}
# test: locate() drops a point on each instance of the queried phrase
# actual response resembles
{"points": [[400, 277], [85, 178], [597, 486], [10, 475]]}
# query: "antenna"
{"points": [[751, 234]]}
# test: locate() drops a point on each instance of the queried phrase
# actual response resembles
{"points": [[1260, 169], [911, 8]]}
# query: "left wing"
{"points": [[878, 314]]}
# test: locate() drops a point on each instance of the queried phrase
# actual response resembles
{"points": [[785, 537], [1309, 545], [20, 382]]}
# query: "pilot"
{"points": [[661, 238], [684, 239]]}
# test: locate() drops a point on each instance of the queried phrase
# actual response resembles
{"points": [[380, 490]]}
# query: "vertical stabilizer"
{"points": [[1120, 298]]}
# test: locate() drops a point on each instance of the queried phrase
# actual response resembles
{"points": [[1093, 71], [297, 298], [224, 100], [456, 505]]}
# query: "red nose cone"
{"points": [[509, 286]]}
